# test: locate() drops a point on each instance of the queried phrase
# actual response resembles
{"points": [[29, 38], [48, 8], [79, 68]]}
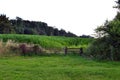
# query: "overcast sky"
{"points": [[77, 16]]}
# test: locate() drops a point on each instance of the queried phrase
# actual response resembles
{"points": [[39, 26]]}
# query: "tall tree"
{"points": [[5, 25], [107, 45]]}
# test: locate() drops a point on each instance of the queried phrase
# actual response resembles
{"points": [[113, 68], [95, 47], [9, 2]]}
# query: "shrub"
{"points": [[101, 49], [98, 51], [30, 49]]}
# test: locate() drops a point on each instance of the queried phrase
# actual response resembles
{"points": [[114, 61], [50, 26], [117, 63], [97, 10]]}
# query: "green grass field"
{"points": [[48, 41], [57, 68]]}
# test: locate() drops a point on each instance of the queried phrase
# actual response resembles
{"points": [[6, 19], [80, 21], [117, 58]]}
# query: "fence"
{"points": [[77, 50]]}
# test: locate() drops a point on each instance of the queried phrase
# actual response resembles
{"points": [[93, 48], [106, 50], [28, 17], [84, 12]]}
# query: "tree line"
{"points": [[20, 26]]}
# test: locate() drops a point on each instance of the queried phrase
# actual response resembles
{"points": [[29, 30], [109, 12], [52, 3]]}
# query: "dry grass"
{"points": [[1, 47], [6, 48], [11, 48]]}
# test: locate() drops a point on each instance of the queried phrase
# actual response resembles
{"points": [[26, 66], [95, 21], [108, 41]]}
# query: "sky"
{"points": [[77, 16]]}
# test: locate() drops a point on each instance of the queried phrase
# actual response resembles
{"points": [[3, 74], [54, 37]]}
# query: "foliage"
{"points": [[110, 29], [107, 45], [86, 36], [5, 25], [99, 50], [21, 26], [35, 27]]}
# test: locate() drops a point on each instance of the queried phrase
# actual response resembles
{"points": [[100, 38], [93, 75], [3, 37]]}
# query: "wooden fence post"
{"points": [[81, 51], [65, 50]]}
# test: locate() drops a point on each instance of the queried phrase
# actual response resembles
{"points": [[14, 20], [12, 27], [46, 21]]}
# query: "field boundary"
{"points": [[76, 50]]}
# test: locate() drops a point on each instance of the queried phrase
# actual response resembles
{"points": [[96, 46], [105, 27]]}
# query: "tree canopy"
{"points": [[5, 25], [20, 26]]}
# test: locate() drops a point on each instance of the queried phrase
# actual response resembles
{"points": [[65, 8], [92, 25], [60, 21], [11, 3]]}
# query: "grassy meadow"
{"points": [[53, 66], [57, 68]]}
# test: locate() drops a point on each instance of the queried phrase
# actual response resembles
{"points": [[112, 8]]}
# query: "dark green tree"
{"points": [[107, 45], [5, 25], [56, 32], [20, 26]]}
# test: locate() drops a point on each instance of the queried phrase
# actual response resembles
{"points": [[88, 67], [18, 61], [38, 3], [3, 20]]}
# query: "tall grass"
{"points": [[47, 41], [11, 48], [6, 48]]}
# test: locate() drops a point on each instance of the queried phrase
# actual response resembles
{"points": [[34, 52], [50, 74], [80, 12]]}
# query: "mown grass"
{"points": [[48, 41], [57, 68]]}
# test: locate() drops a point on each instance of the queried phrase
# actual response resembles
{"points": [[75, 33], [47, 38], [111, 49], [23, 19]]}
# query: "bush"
{"points": [[102, 50], [27, 49]]}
